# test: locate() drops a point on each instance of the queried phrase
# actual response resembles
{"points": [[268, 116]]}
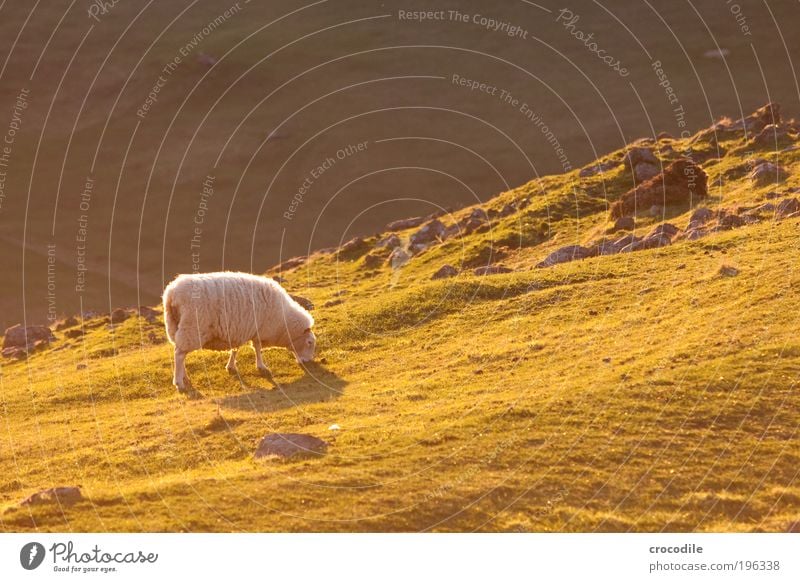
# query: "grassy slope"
{"points": [[630, 392]]}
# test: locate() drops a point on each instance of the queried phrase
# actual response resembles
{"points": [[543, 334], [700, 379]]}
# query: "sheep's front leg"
{"points": [[231, 365], [262, 367]]}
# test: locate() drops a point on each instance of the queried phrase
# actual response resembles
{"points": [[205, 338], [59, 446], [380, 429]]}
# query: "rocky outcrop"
{"points": [[18, 341], [682, 182], [567, 254], [290, 446]]}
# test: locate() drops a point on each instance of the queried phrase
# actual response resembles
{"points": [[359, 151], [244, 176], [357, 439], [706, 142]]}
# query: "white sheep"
{"points": [[223, 311]]}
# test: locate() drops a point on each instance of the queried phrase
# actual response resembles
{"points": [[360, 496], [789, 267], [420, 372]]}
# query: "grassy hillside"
{"points": [[651, 390], [278, 87]]}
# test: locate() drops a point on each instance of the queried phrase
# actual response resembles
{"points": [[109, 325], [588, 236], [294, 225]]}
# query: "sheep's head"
{"points": [[304, 346]]}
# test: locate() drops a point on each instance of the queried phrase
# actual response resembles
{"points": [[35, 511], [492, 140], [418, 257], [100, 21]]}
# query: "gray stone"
{"points": [[303, 302], [391, 241], [428, 233], [566, 254], [404, 224], [25, 337], [290, 445], [767, 173], [491, 270], [60, 495], [644, 171], [445, 272], [624, 223], [787, 208], [666, 229], [638, 155]]}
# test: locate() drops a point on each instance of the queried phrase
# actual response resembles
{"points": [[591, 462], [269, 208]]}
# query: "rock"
{"points": [[730, 221], [650, 242], [645, 171], [728, 271], [590, 171], [353, 248], [491, 270], [405, 223], [67, 323], [664, 135], [428, 233], [290, 263], [279, 279], [398, 258], [623, 223], [508, 209], [772, 136], [767, 173], [119, 315], [60, 495], [73, 333], [417, 248], [565, 255], [445, 272], [373, 261], [695, 233], [80, 366], [700, 217], [24, 337], [333, 302], [391, 241], [666, 229], [148, 313], [682, 182], [639, 155], [306, 304], [755, 122], [787, 207], [18, 353], [290, 445]]}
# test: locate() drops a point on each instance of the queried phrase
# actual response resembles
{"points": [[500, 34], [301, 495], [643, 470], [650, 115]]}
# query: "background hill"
{"points": [[646, 387], [261, 94]]}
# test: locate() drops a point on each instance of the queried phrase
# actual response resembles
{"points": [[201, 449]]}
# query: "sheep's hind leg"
{"points": [[262, 367], [181, 378], [231, 365]]}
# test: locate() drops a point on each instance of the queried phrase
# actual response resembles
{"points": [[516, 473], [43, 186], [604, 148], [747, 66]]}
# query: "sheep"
{"points": [[223, 311]]}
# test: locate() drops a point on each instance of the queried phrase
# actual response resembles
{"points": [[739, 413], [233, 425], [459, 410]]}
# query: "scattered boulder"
{"points": [[730, 221], [391, 241], [728, 271], [787, 208], [565, 255], [432, 231], [681, 182], [148, 313], [353, 248], [600, 168], [606, 247], [119, 315], [700, 217], [491, 270], [405, 223], [649, 242], [773, 135], [290, 445], [639, 155], [417, 248], [445, 272], [769, 114], [67, 323], [306, 304], [664, 135], [73, 333], [18, 336], [373, 260], [623, 223], [333, 302], [60, 495], [767, 173], [666, 229], [644, 171], [290, 263]]}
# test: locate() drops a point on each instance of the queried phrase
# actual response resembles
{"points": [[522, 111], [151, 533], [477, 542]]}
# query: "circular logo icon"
{"points": [[31, 555]]}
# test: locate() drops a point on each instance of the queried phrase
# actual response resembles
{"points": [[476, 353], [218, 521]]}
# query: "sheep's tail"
{"points": [[172, 315]]}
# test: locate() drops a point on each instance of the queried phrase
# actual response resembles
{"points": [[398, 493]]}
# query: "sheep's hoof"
{"points": [[194, 394], [232, 370], [266, 372]]}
